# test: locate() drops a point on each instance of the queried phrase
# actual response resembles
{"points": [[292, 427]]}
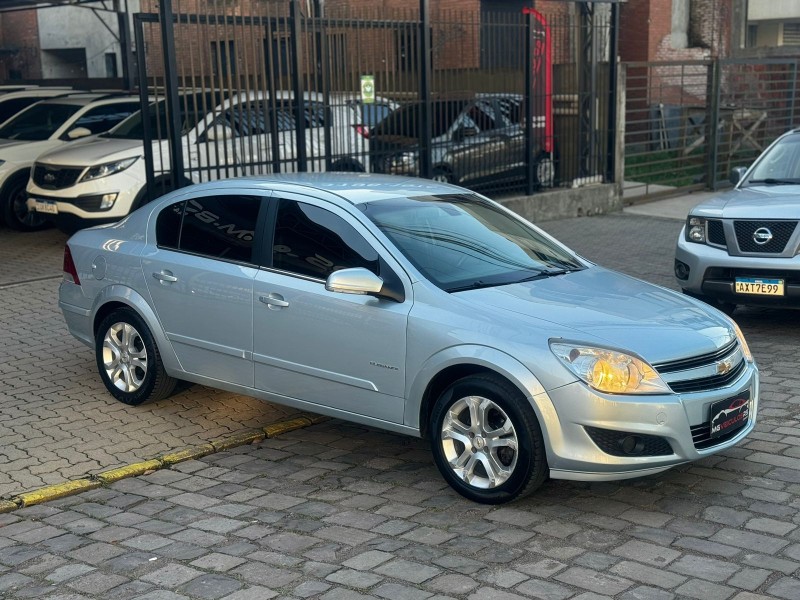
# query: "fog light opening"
{"points": [[681, 270], [631, 444]]}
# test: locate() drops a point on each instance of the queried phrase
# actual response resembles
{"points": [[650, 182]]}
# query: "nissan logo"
{"points": [[49, 177], [762, 235]]}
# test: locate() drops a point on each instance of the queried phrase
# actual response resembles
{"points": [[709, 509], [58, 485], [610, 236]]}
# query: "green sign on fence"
{"points": [[368, 89]]}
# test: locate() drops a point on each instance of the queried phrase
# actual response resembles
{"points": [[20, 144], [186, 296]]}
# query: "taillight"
{"points": [[362, 130], [69, 266]]}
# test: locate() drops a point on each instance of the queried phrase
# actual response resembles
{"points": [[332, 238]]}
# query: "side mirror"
{"points": [[220, 132], [354, 281], [78, 132], [737, 173], [464, 132]]}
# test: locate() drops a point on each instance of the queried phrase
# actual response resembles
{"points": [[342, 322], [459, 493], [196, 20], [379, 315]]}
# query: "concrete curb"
{"points": [[164, 461]]}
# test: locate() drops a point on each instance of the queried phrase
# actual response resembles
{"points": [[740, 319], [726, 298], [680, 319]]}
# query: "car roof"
{"points": [[83, 99], [354, 188]]}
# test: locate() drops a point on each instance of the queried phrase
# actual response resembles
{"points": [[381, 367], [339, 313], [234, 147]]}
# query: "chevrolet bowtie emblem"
{"points": [[723, 367]]}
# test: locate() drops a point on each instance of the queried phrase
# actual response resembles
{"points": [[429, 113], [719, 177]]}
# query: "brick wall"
{"points": [[20, 37]]}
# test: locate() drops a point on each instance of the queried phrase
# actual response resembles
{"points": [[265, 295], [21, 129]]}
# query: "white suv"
{"points": [[44, 126], [104, 179]]}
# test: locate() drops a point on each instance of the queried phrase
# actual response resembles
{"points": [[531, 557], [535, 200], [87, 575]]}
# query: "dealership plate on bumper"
{"points": [[43, 206], [729, 415], [759, 287]]}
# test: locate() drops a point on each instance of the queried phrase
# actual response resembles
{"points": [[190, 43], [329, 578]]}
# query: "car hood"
{"points": [[93, 152], [754, 202], [598, 306], [21, 151], [6, 143]]}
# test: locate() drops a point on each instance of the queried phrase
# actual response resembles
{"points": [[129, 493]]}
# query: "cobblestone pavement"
{"points": [[340, 512], [57, 421]]}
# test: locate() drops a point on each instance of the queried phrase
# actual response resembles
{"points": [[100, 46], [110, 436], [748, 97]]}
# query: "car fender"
{"points": [[492, 359], [131, 298]]}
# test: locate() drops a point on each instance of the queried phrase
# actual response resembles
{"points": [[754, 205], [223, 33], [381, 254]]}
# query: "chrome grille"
{"points": [[701, 436], [55, 178], [781, 232], [705, 372]]}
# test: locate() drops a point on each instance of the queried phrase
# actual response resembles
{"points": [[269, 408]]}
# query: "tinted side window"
{"points": [[168, 226], [220, 227], [314, 242], [103, 118], [11, 107]]}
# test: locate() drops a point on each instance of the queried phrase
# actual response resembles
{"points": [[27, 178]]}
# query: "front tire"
{"points": [[128, 359], [486, 440], [443, 175], [15, 207]]}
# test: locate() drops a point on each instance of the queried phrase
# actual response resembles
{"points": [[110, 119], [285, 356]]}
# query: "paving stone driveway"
{"points": [[57, 421], [337, 511]]}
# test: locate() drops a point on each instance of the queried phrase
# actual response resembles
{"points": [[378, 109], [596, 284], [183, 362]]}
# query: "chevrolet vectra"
{"points": [[417, 307]]}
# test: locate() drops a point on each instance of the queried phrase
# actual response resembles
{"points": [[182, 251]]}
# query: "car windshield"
{"points": [[38, 122], [192, 110], [405, 121], [780, 165], [462, 242]]}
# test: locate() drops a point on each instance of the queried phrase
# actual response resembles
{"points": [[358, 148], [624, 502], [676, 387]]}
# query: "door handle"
{"points": [[165, 276], [273, 300]]}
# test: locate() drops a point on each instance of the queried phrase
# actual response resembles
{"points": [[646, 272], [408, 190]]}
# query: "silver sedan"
{"points": [[417, 307]]}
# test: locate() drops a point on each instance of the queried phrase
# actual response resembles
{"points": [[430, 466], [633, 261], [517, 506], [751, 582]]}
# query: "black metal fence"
{"points": [[501, 104], [669, 145]]}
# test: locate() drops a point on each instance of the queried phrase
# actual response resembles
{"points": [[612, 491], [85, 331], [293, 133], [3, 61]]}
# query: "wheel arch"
{"points": [[114, 297], [454, 363]]}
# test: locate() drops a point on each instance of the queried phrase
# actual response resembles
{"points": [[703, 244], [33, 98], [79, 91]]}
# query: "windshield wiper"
{"points": [[547, 273], [772, 181], [475, 285]]}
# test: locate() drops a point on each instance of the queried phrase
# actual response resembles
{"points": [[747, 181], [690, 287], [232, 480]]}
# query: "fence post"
{"points": [[297, 87], [618, 133], [171, 92], [147, 135], [530, 183], [613, 66], [712, 124], [425, 166]]}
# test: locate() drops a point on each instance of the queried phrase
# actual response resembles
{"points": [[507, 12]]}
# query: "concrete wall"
{"points": [[561, 204], [767, 10]]}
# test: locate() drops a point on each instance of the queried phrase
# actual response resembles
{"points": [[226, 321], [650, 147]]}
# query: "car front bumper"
{"points": [[571, 413], [712, 272]]}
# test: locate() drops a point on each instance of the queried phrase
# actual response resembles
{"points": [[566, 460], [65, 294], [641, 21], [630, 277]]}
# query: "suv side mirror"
{"points": [[737, 173], [354, 281], [78, 132]]}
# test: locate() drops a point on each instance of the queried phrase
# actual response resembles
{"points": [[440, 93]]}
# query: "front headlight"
{"points": [[748, 356], [108, 169], [610, 371], [696, 230]]}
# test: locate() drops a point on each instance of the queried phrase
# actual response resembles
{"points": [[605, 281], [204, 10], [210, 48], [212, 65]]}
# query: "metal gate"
{"points": [[669, 146], [261, 87]]}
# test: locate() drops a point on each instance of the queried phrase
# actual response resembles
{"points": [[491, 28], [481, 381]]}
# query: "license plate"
{"points": [[729, 415], [42, 206], [759, 287]]}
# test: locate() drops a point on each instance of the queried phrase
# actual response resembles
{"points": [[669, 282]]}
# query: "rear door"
{"points": [[200, 277]]}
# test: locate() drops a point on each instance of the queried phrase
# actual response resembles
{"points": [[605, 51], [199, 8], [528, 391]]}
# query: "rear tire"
{"points": [[443, 175], [15, 209], [486, 440], [128, 359]]}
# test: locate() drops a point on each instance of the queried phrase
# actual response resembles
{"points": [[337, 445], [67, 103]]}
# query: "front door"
{"points": [[338, 350]]}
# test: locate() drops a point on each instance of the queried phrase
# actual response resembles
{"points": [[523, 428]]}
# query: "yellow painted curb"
{"points": [[286, 426], [54, 492], [237, 440], [133, 470], [192, 453], [70, 488], [7, 506]]}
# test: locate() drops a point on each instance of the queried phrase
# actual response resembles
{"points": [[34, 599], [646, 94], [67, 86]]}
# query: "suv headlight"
{"points": [[610, 371], [696, 230], [107, 169]]}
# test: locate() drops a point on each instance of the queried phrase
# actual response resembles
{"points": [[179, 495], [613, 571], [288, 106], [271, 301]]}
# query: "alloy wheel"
{"points": [[124, 357]]}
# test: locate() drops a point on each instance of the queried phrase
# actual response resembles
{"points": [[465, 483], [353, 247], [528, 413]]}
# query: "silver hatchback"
{"points": [[417, 307]]}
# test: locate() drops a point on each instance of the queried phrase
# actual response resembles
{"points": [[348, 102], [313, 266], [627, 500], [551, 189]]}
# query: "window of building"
{"points": [[791, 34], [111, 65]]}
